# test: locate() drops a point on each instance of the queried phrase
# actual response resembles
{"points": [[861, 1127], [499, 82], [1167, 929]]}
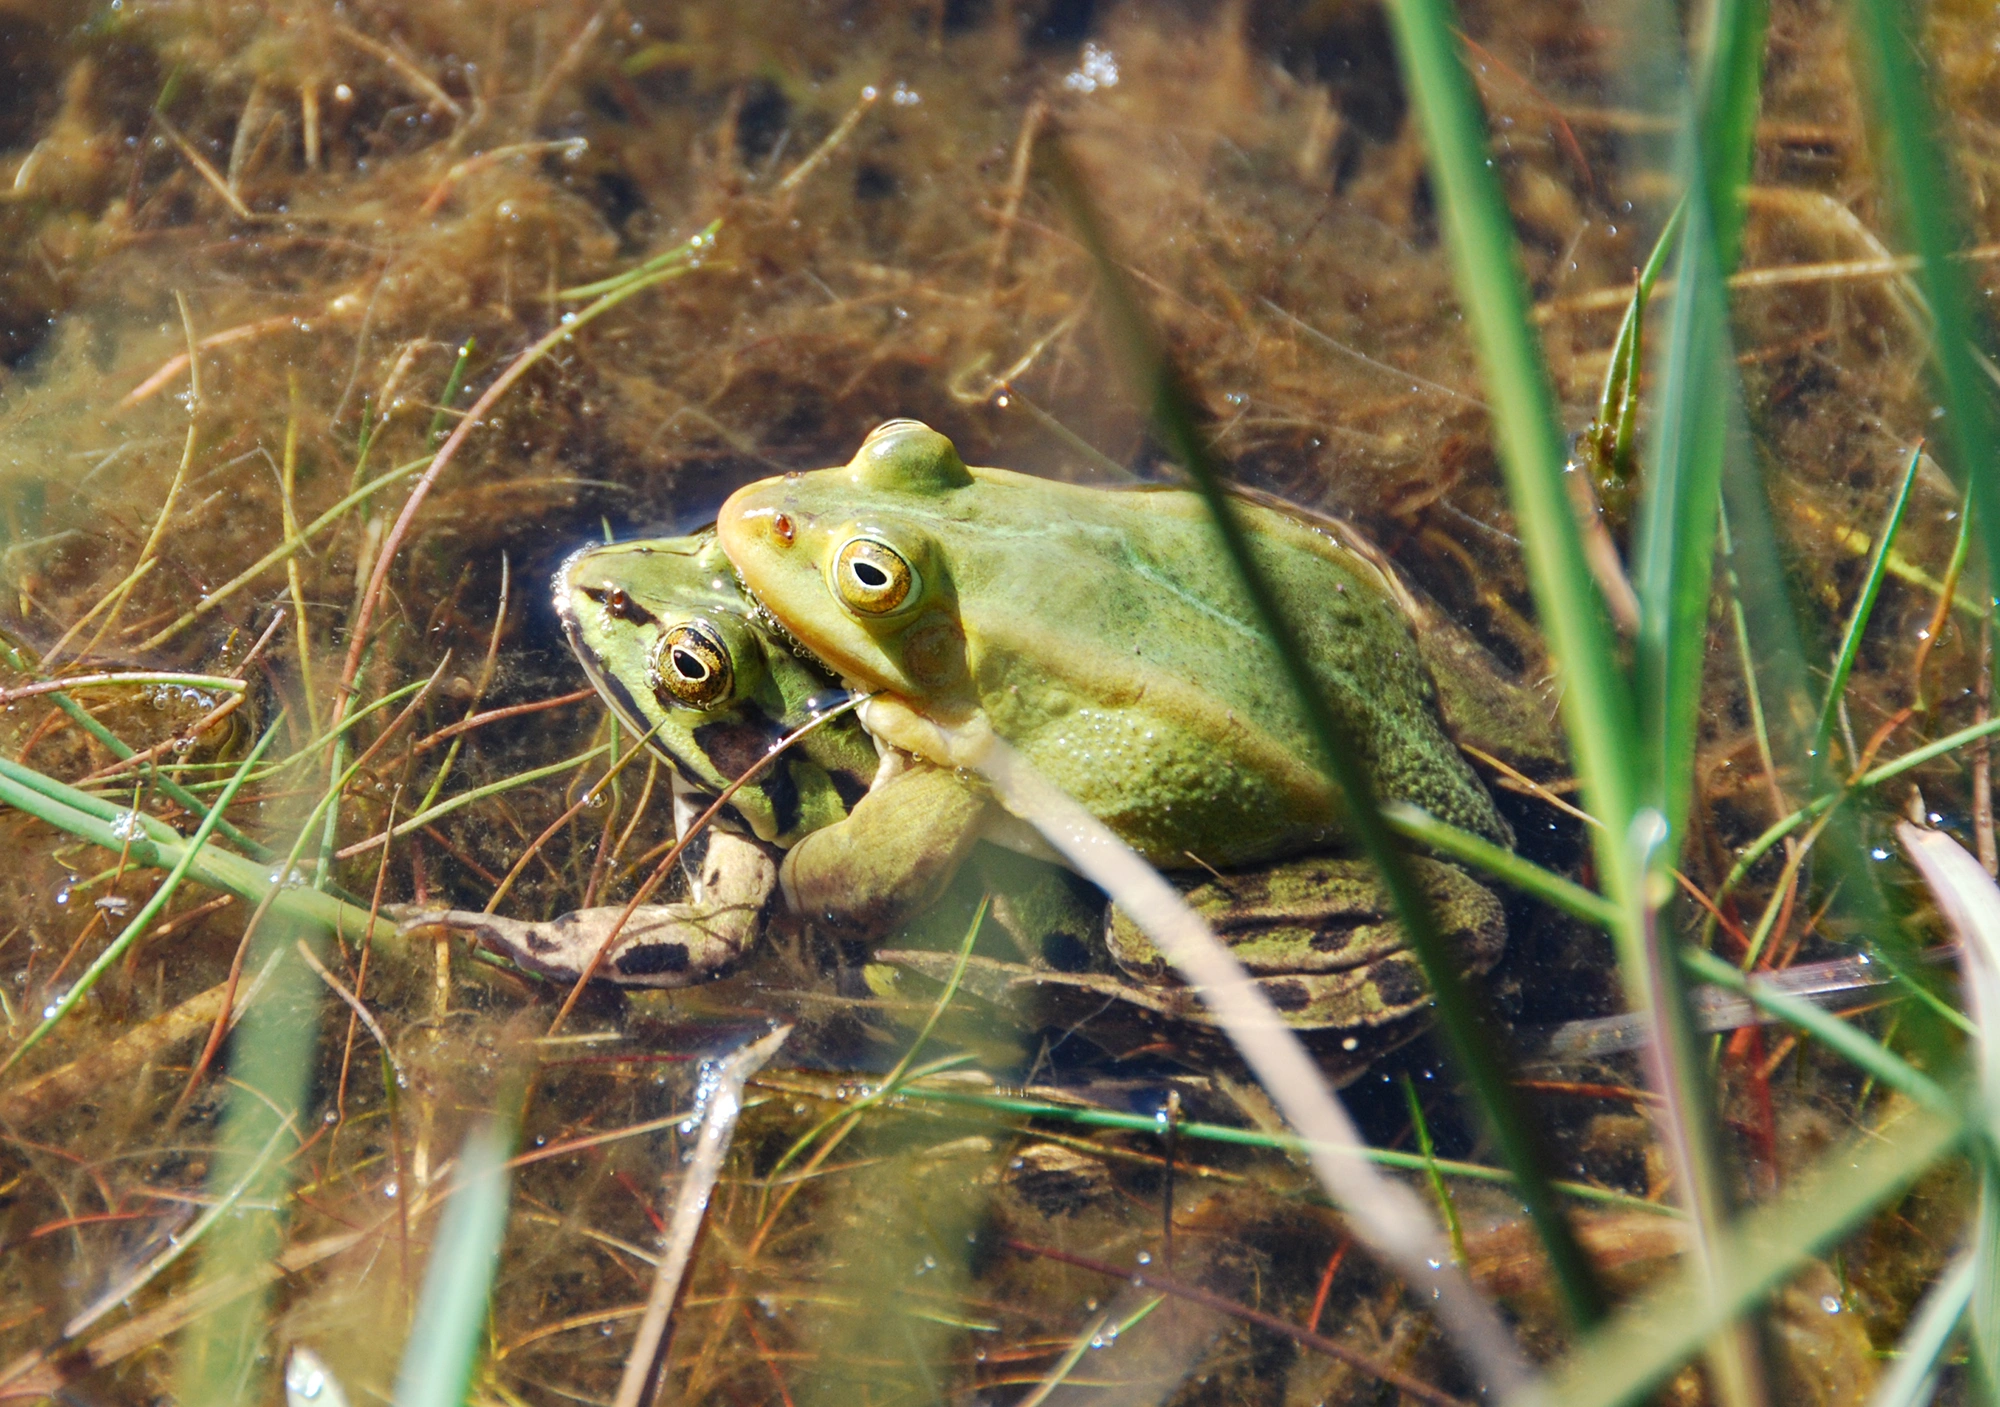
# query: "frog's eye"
{"points": [[872, 577], [690, 665]]}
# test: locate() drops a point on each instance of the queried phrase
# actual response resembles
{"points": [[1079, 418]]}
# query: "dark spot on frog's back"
{"points": [[1287, 994], [1399, 981], [735, 746], [1331, 936]]}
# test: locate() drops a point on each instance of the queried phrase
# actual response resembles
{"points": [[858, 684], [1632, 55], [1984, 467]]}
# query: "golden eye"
{"points": [[871, 577], [690, 666]]}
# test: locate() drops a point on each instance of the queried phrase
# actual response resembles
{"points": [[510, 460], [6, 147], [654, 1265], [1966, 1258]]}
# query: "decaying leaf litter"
{"points": [[259, 266]]}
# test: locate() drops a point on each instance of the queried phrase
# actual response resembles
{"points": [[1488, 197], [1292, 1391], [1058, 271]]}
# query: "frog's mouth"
{"points": [[615, 695]]}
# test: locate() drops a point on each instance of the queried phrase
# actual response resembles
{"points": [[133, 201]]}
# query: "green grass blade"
{"points": [[1467, 1026], [444, 1343], [1597, 703], [1674, 548], [1618, 402], [1731, 68], [1447, 1208], [150, 909], [224, 1355], [158, 847], [1909, 135], [1864, 607], [1195, 1130], [1654, 1335], [1525, 875], [1674, 567], [1674, 544], [452, 383]]}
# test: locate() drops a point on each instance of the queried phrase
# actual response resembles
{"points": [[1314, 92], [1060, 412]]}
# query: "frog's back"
{"points": [[1154, 662]]}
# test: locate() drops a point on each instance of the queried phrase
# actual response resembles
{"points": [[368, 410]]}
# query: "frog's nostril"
{"points": [[781, 525]]}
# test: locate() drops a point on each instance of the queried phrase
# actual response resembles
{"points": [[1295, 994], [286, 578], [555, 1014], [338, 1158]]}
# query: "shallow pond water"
{"points": [[260, 264]]}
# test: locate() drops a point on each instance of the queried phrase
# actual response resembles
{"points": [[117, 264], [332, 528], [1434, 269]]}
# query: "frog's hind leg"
{"points": [[660, 945], [892, 857]]}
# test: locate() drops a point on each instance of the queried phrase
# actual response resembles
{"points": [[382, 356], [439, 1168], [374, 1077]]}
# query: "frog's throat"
{"points": [[967, 745]]}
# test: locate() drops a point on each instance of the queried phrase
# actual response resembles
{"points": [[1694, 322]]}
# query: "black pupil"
{"points": [[689, 667], [870, 575]]}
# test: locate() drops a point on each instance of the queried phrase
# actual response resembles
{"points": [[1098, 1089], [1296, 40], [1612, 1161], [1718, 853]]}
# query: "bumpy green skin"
{"points": [[616, 601], [1103, 634]]}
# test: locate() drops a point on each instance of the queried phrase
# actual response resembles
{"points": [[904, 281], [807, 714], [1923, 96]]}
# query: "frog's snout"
{"points": [[747, 522]]}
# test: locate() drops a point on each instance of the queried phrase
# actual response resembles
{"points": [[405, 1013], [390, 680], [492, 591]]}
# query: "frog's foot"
{"points": [[660, 945], [893, 855]]}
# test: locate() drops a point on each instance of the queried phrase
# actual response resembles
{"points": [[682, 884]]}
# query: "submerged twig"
{"points": [[723, 1085]]}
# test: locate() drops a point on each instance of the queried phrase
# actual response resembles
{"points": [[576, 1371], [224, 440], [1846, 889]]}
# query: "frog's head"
{"points": [[846, 560], [669, 642]]}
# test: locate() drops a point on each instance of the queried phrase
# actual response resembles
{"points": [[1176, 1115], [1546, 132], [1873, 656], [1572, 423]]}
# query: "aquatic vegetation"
{"points": [[326, 332]]}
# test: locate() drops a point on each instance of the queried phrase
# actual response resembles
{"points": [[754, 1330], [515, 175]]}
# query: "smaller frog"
{"points": [[667, 639]]}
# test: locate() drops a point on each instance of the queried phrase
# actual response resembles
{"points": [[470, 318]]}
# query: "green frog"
{"points": [[681, 654], [671, 645], [1104, 635]]}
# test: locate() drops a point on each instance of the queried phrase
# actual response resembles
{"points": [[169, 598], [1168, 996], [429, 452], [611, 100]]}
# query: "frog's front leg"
{"points": [[661, 945], [893, 855]]}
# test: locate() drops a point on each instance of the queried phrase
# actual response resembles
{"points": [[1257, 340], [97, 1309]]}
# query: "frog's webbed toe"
{"points": [[660, 945]]}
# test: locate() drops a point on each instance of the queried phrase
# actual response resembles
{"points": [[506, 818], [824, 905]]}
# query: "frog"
{"points": [[1103, 634], [1100, 633], [713, 677], [667, 637]]}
